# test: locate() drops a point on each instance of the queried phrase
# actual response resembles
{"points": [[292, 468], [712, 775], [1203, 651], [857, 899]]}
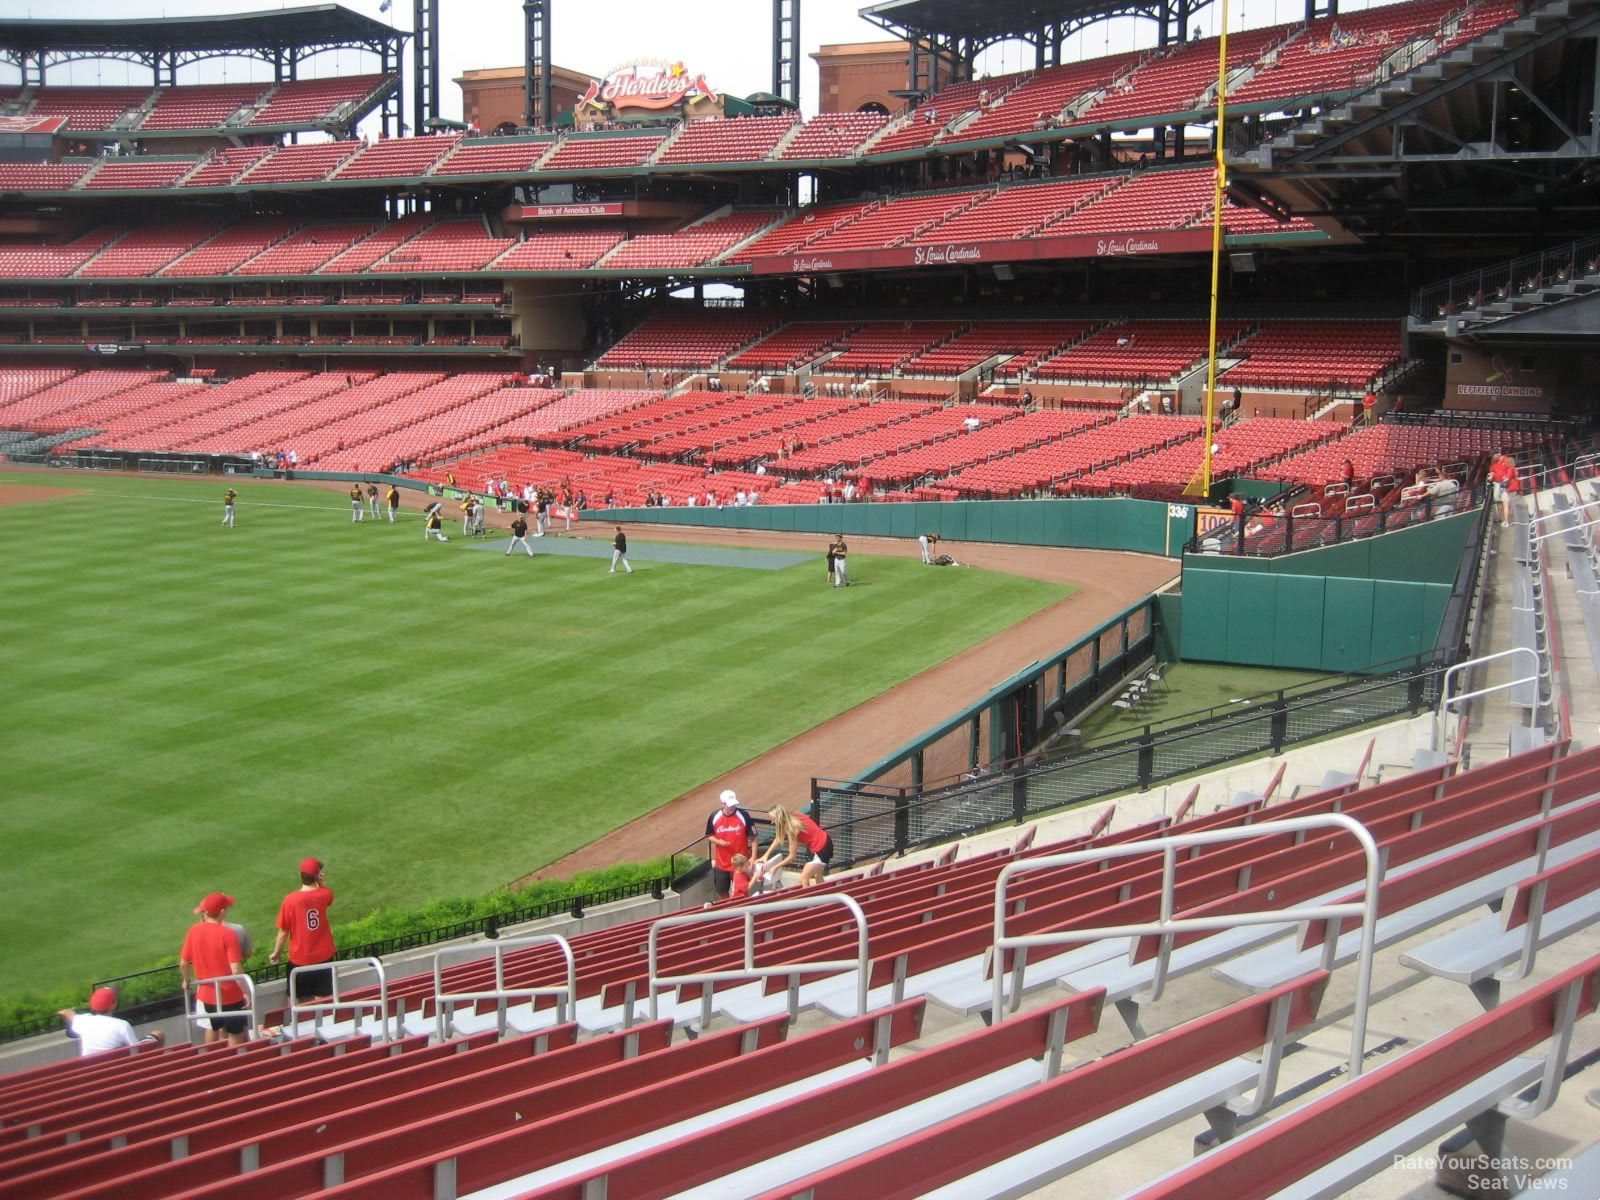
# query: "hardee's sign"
{"points": [[648, 84]]}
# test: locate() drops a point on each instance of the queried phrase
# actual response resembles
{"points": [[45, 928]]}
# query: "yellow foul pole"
{"points": [[1216, 248]]}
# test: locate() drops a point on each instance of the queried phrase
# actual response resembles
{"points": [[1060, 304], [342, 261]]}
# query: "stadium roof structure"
{"points": [[996, 20], [251, 34]]}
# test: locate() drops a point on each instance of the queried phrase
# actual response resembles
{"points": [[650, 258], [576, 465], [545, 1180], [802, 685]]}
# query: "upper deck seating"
{"points": [[1152, 200], [137, 173], [599, 153], [201, 106], [881, 346], [699, 338], [1138, 351], [805, 226], [692, 246], [43, 177], [1033, 469], [492, 157], [1292, 354], [398, 158], [1025, 341], [792, 345], [145, 249], [318, 101], [1015, 212], [1339, 53], [1175, 82], [559, 251], [927, 121], [306, 249], [978, 445], [900, 220], [834, 135], [55, 261], [231, 248], [226, 166], [375, 245], [738, 139], [1035, 104], [307, 163], [453, 244], [87, 108]]}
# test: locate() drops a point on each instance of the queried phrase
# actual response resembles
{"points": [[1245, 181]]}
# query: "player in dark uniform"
{"points": [[228, 498], [372, 500], [434, 519], [394, 502], [619, 552], [355, 504], [519, 536]]}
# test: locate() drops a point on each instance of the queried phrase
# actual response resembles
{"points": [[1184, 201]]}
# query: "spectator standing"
{"points": [[228, 498], [303, 925], [1502, 474], [519, 536], [793, 830], [619, 552], [98, 1030], [211, 950], [730, 832]]}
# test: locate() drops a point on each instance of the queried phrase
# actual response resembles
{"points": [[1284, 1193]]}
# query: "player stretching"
{"points": [[227, 507], [519, 536]]}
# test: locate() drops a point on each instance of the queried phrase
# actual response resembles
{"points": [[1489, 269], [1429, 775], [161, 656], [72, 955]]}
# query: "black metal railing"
{"points": [[1526, 275], [868, 820], [1267, 534]]}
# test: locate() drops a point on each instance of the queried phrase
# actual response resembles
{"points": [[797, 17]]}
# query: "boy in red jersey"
{"points": [[303, 924], [211, 950]]}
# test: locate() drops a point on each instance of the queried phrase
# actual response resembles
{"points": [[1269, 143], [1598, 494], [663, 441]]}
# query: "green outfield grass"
{"points": [[189, 708]]}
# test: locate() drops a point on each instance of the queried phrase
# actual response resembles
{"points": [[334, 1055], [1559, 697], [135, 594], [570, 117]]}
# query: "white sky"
{"points": [[728, 41]]}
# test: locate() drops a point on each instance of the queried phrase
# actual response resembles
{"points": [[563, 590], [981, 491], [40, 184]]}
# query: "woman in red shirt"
{"points": [[795, 830]]}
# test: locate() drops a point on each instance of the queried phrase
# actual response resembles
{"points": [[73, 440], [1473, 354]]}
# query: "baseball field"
{"points": [[189, 708]]}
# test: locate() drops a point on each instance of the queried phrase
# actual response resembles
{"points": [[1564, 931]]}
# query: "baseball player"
{"points": [[228, 498], [433, 520], [619, 552], [394, 502], [355, 504], [519, 536], [372, 500]]}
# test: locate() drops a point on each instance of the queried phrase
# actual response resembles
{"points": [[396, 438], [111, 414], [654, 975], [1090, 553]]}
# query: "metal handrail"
{"points": [[1167, 924], [315, 1010], [1550, 533], [1445, 699], [747, 914], [198, 1013], [444, 1003]]}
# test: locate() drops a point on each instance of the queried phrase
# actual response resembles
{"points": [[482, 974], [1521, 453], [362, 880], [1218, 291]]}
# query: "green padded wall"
{"points": [[1309, 622], [1093, 523]]}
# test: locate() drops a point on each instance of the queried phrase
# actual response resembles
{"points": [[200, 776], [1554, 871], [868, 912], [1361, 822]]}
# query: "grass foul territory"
{"points": [[189, 708]]}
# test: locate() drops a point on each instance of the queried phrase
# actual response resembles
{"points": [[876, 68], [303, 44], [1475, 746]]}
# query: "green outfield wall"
{"points": [[1140, 526], [1344, 608]]}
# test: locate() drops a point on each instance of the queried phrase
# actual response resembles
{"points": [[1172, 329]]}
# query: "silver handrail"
{"points": [[1445, 699], [1167, 924], [195, 1012], [315, 1010], [444, 1003], [747, 913]]}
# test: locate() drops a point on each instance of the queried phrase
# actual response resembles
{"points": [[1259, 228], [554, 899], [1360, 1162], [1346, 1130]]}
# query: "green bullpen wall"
{"points": [[1340, 608], [1141, 526]]}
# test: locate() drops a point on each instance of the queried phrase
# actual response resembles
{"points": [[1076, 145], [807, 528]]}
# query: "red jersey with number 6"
{"points": [[304, 917]]}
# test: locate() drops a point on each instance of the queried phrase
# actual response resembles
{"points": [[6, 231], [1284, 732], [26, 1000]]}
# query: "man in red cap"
{"points": [[303, 923], [210, 951], [98, 1030]]}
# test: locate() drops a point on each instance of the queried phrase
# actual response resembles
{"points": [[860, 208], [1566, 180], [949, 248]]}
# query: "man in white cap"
{"points": [[98, 1030], [730, 830]]}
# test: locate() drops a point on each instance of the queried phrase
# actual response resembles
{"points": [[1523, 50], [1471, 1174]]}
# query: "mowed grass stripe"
{"points": [[190, 708]]}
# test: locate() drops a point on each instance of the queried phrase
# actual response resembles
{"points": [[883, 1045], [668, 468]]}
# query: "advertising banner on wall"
{"points": [[1509, 381]]}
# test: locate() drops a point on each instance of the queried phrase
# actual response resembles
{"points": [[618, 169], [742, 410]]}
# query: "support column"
{"points": [[424, 65], [536, 63], [786, 50]]}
